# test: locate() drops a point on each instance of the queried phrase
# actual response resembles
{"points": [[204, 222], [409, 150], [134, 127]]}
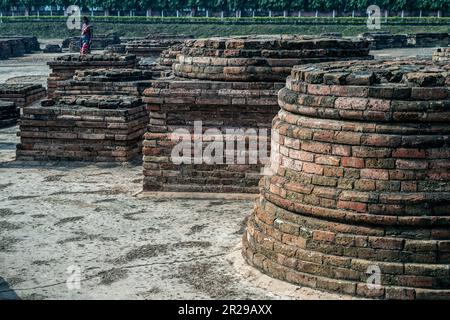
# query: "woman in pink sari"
{"points": [[86, 37]]}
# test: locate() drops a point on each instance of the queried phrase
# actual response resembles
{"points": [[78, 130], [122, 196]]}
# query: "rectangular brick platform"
{"points": [[100, 41], [64, 67], [105, 82], [385, 40], [16, 46], [22, 94], [437, 39], [100, 129], [9, 114], [176, 104]]}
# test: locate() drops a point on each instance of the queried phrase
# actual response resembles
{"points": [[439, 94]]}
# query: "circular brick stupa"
{"points": [[360, 201], [262, 58], [227, 84]]}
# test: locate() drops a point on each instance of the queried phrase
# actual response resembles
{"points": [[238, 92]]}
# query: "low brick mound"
{"points": [[9, 114], [99, 42], [267, 58], [105, 82], [442, 54], [169, 57], [116, 48], [52, 48], [177, 103], [64, 67], [16, 46], [153, 45], [83, 128], [430, 39], [362, 184], [385, 40], [22, 95]]}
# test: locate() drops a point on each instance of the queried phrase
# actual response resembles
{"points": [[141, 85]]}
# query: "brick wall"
{"points": [[227, 83], [363, 181]]}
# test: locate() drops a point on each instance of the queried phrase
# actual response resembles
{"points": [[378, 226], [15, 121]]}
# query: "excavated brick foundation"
{"points": [[83, 128], [64, 67], [360, 199], [16, 46], [154, 45], [9, 114], [442, 54], [22, 94], [105, 82], [227, 84]]}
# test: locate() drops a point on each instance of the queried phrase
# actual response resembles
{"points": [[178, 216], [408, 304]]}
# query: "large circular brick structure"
{"points": [[442, 54], [262, 58], [227, 84], [362, 188]]}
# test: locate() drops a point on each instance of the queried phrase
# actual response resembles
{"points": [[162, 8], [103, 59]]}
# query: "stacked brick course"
{"points": [[83, 128], [21, 94], [169, 57], [99, 42], [153, 45], [436, 39], [363, 181], [9, 114], [385, 40], [17, 46], [227, 83], [64, 67], [442, 54], [105, 82]]}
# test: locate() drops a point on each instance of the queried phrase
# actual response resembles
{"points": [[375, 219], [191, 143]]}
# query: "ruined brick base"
{"points": [[176, 104], [105, 82], [362, 182], [442, 54], [89, 128], [22, 94], [9, 114], [385, 40], [429, 39], [16, 46], [64, 67]]}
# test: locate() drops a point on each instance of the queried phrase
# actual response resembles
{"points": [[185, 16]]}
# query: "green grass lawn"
{"points": [[53, 29]]}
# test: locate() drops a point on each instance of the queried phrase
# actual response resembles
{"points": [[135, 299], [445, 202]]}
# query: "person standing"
{"points": [[86, 37]]}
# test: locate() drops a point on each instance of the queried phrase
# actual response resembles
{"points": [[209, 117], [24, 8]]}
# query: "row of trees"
{"points": [[233, 5]]}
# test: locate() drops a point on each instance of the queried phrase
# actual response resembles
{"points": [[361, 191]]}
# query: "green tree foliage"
{"points": [[274, 5]]}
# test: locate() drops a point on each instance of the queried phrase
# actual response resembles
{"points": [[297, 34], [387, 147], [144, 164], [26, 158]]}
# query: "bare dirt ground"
{"points": [[60, 218], [57, 217]]}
